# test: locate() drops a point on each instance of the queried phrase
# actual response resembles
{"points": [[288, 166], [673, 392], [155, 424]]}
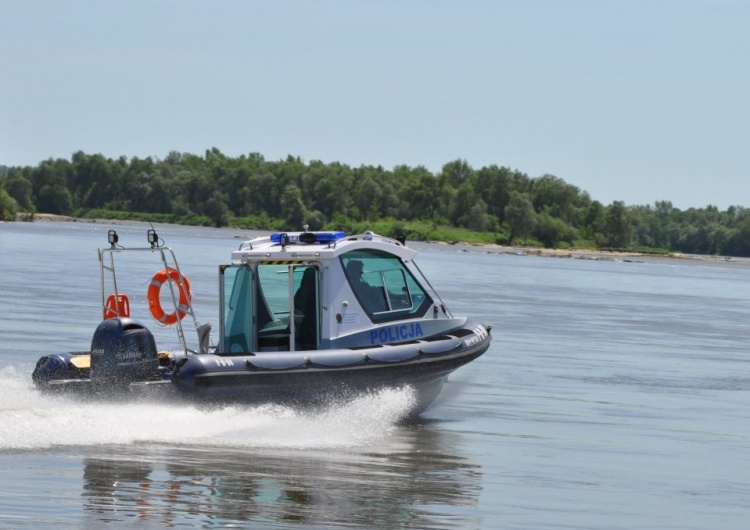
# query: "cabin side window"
{"points": [[384, 286]]}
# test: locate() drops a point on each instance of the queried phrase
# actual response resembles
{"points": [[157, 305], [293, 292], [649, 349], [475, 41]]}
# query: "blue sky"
{"points": [[633, 100]]}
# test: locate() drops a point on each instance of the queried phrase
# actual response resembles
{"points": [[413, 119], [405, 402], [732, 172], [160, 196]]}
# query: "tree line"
{"points": [[502, 205]]}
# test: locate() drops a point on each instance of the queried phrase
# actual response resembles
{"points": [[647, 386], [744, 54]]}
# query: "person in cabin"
{"points": [[372, 298]]}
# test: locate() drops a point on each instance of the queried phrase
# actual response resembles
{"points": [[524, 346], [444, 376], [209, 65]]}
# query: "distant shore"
{"points": [[501, 249], [24, 217]]}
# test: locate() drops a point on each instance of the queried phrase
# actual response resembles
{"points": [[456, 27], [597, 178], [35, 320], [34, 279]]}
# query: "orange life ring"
{"points": [[117, 305], [154, 302]]}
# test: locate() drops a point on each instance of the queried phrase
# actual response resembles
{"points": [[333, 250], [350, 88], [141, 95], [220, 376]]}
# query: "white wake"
{"points": [[32, 420]]}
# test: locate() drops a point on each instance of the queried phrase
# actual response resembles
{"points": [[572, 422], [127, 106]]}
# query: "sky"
{"points": [[629, 100]]}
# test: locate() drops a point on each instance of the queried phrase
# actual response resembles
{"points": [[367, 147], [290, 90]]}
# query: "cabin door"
{"points": [[271, 307], [236, 310]]}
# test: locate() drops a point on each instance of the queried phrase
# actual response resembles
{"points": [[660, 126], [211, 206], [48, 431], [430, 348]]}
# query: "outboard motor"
{"points": [[123, 351], [57, 366]]}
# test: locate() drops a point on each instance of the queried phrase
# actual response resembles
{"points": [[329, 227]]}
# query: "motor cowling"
{"points": [[123, 351]]}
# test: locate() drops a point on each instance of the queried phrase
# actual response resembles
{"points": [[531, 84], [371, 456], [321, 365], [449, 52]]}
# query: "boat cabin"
{"points": [[323, 290]]}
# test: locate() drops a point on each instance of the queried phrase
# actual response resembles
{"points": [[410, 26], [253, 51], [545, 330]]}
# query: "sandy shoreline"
{"points": [[501, 249], [67, 219]]}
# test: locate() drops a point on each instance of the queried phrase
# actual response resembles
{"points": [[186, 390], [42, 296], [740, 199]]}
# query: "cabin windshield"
{"points": [[384, 286], [269, 307]]}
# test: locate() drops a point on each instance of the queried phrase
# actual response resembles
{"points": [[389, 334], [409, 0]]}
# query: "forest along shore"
{"points": [[499, 249]]}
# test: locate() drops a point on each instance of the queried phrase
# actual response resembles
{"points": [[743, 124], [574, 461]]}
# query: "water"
{"points": [[614, 395]]}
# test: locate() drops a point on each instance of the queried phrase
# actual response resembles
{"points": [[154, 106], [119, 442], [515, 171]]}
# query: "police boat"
{"points": [[304, 318]]}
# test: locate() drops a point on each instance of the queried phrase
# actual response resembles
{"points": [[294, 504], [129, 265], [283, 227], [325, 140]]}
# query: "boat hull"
{"points": [[312, 384], [305, 378]]}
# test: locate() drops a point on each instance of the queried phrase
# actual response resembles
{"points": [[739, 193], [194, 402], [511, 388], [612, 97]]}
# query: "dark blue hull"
{"points": [[313, 383], [304, 378]]}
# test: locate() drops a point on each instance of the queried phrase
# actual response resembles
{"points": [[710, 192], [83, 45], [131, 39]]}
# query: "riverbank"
{"points": [[46, 217], [501, 249]]}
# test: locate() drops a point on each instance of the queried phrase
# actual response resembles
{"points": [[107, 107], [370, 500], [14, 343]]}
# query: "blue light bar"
{"points": [[329, 237], [307, 237]]}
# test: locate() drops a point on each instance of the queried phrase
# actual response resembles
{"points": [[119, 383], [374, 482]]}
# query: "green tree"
{"points": [[264, 195], [293, 208], [617, 227], [520, 216], [419, 190], [157, 198], [8, 206], [216, 209], [195, 187], [54, 198], [478, 218], [551, 231], [593, 221], [51, 174], [332, 191], [21, 190], [463, 200], [93, 180], [388, 202], [366, 195], [456, 173], [495, 184], [738, 243]]}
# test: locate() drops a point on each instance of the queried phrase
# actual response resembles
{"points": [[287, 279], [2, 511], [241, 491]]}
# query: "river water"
{"points": [[614, 396]]}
